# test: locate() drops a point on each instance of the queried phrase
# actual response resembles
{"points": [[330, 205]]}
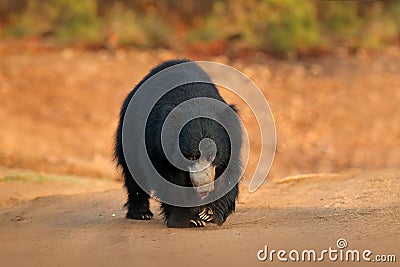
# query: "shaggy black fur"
{"points": [[190, 136]]}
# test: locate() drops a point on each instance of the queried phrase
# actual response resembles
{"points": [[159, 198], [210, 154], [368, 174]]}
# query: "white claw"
{"points": [[206, 215], [194, 222]]}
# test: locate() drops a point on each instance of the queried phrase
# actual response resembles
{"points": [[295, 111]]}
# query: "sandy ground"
{"points": [[18, 186], [300, 213], [337, 116]]}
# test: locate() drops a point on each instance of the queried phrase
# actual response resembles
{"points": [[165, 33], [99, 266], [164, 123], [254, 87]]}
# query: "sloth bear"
{"points": [[190, 136]]}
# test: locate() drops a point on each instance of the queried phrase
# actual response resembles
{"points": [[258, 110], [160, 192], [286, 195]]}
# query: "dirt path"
{"points": [[58, 114], [296, 213], [21, 185]]}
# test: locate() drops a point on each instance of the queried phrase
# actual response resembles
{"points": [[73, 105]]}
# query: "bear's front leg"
{"points": [[178, 217], [138, 201]]}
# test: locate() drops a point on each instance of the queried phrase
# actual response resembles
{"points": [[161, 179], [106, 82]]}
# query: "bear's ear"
{"points": [[229, 118], [226, 112], [233, 106]]}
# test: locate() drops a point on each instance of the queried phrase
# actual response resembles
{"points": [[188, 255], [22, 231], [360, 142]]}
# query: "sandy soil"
{"points": [[18, 186], [337, 116], [295, 213]]}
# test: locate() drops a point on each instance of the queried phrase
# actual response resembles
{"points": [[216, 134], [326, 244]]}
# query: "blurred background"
{"points": [[284, 28], [329, 69]]}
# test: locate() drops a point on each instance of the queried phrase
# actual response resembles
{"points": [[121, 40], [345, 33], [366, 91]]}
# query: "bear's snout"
{"points": [[202, 175]]}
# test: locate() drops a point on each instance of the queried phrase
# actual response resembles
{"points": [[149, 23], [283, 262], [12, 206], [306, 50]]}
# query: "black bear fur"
{"points": [[194, 131]]}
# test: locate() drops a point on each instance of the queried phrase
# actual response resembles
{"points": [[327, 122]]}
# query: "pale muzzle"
{"points": [[202, 176]]}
